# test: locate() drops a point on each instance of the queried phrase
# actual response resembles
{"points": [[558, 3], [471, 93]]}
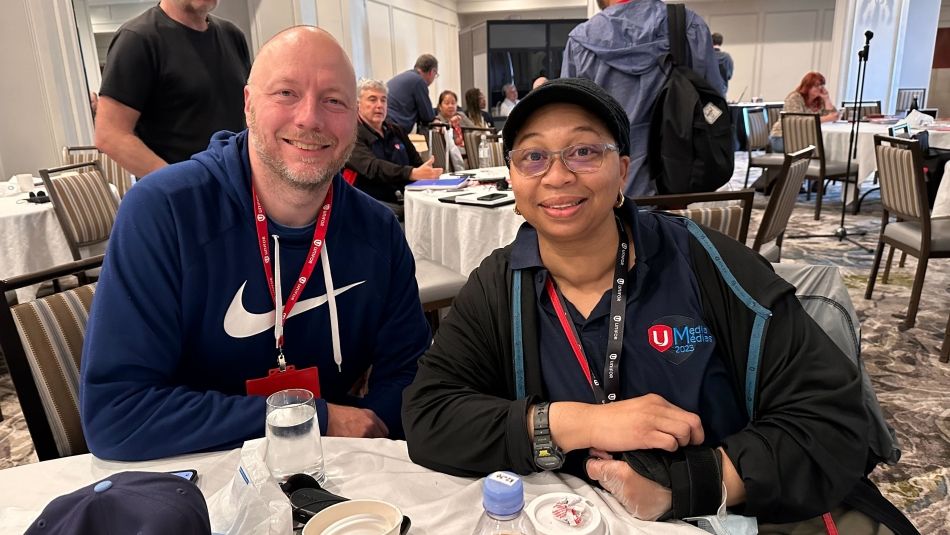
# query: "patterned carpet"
{"points": [[912, 385]]}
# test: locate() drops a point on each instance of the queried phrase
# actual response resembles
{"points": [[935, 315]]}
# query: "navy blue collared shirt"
{"points": [[667, 349]]}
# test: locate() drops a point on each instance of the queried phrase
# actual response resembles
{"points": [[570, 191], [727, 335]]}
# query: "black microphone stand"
{"points": [[842, 232]]}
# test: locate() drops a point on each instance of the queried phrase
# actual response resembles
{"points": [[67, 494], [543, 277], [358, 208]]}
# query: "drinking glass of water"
{"points": [[293, 435]]}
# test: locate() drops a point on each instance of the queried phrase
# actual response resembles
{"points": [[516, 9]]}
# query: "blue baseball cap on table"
{"points": [[142, 503]]}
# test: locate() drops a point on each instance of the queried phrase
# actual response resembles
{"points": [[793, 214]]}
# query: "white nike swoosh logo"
{"points": [[239, 323]]}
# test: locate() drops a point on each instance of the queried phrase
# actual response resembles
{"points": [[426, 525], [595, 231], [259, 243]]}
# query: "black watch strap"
{"points": [[547, 456]]}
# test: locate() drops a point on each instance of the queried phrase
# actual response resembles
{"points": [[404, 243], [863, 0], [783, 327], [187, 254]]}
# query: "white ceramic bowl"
{"points": [[356, 517]]}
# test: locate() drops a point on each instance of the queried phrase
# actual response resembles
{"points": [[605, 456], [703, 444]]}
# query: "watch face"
{"points": [[547, 459]]}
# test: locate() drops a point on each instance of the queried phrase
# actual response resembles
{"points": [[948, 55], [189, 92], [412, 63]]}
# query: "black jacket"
{"points": [[799, 456], [378, 177]]}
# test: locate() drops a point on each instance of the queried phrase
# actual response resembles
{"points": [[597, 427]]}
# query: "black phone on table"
{"points": [[190, 475]]}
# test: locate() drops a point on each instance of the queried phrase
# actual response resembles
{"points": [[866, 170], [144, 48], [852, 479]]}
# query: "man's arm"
{"points": [[130, 76], [115, 136], [400, 340], [132, 403], [364, 162], [424, 110]]}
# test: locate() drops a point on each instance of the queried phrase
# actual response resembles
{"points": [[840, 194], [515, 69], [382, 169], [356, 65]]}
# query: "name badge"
{"points": [[276, 380]]}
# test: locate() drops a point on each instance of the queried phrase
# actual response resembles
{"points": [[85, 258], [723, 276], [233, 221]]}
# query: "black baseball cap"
{"points": [[580, 91], [143, 503]]}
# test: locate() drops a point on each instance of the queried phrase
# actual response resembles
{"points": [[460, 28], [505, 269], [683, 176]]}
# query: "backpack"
{"points": [[690, 148]]}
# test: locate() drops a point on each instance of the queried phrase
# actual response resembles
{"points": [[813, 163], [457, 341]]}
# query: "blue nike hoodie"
{"points": [[182, 314]]}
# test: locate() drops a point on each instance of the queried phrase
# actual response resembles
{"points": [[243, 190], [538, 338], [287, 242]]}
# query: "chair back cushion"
{"points": [[800, 131], [114, 174], [905, 97], [497, 152], [52, 331], [782, 202], [899, 196], [756, 126], [88, 207], [725, 219], [873, 108], [438, 147]]}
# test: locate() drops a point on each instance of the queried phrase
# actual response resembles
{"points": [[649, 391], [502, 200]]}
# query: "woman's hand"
{"points": [[644, 422], [642, 498]]}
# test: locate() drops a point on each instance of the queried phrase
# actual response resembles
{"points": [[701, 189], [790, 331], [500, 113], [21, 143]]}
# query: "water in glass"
{"points": [[293, 435]]}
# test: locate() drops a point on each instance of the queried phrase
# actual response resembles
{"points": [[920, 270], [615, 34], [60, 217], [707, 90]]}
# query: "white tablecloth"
{"points": [[30, 240], [454, 235], [942, 203], [356, 468], [836, 136]]}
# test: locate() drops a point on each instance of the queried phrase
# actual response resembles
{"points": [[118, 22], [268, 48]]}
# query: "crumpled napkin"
{"points": [[917, 120]]}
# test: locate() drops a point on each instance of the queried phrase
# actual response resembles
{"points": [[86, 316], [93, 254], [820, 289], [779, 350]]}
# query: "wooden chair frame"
{"points": [[679, 201]]}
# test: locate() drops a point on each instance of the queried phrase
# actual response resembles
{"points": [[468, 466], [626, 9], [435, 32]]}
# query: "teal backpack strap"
{"points": [[517, 335], [762, 314]]}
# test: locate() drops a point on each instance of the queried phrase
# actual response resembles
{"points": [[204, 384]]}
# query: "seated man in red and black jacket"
{"points": [[383, 160]]}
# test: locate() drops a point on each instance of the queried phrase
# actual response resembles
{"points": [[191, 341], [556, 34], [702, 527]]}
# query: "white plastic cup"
{"points": [[369, 517], [25, 182], [293, 435]]}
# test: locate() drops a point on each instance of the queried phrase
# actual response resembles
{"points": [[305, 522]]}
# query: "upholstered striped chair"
{"points": [[769, 236], [473, 136], [83, 203], [905, 97], [42, 342], [438, 147], [800, 130], [728, 212], [756, 122], [868, 107], [904, 196], [497, 150], [775, 113], [114, 174]]}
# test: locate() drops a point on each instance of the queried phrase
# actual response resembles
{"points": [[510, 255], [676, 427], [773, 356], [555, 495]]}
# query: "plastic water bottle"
{"points": [[503, 498], [914, 105], [484, 153]]}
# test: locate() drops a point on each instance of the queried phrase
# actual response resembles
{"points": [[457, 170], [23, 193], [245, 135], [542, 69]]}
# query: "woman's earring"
{"points": [[620, 200], [516, 210]]}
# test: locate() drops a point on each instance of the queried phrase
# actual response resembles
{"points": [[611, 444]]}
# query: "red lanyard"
{"points": [[610, 390], [319, 235]]}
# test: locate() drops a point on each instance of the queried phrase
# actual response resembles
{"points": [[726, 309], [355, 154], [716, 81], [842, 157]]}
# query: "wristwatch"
{"points": [[547, 456]]}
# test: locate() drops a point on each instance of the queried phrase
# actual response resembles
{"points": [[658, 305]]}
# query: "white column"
{"points": [[46, 103]]}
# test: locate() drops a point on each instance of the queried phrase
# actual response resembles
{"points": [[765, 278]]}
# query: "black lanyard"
{"points": [[618, 314]]}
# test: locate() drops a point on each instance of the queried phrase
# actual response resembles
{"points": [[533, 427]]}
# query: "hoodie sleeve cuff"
{"points": [[323, 415]]}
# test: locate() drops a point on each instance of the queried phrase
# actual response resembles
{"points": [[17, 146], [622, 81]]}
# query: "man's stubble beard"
{"points": [[310, 180]]}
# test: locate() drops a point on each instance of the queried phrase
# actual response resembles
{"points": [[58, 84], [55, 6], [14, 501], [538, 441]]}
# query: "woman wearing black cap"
{"points": [[668, 363]]}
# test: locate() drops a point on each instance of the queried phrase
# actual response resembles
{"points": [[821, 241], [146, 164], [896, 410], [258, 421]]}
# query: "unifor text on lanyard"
{"points": [[285, 376], [610, 389]]}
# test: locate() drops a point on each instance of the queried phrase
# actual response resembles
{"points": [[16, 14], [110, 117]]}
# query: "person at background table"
{"points": [[583, 243], [811, 96], [475, 104], [455, 142], [511, 98], [726, 65], [173, 76], [384, 160], [619, 48], [183, 314], [409, 102]]}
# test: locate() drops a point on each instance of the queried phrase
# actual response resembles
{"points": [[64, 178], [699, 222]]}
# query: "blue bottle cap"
{"points": [[503, 494]]}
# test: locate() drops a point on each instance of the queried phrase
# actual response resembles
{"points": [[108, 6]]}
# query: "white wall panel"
{"points": [[380, 41], [789, 51], [741, 40], [412, 36]]}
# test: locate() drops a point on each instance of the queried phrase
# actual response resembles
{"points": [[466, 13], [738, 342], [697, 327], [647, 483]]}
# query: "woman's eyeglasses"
{"points": [[582, 158]]}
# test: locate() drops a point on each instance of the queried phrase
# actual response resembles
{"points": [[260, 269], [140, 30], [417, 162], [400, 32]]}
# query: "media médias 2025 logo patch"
{"points": [[676, 338]]}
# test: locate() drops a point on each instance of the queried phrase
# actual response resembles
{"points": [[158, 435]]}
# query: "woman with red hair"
{"points": [[810, 96]]}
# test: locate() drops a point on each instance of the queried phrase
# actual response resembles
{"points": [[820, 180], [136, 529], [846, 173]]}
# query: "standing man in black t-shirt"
{"points": [[174, 75]]}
